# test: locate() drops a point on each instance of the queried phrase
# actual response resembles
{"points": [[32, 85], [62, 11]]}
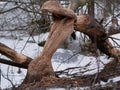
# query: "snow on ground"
{"points": [[117, 36], [69, 88], [61, 60], [2, 3]]}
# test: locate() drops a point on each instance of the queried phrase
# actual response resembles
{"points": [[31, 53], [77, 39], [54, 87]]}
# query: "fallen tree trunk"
{"points": [[96, 33], [99, 38]]}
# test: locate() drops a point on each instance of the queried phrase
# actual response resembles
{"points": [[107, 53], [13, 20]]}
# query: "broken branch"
{"points": [[13, 55], [8, 62]]}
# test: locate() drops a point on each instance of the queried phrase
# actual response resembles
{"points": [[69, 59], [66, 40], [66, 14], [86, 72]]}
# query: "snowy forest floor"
{"points": [[110, 80]]}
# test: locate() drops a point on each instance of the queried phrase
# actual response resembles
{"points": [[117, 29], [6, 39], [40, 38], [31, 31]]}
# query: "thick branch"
{"points": [[13, 55], [8, 62], [90, 27]]}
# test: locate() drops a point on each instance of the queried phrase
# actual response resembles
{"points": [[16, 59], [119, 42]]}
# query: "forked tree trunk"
{"points": [[62, 27]]}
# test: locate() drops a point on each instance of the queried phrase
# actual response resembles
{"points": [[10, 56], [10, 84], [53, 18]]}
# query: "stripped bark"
{"points": [[63, 25], [96, 33], [90, 27]]}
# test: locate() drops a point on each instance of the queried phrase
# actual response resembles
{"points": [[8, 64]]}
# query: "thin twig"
{"points": [[114, 41]]}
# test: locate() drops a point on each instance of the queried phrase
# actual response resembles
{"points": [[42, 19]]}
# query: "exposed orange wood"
{"points": [[63, 25]]}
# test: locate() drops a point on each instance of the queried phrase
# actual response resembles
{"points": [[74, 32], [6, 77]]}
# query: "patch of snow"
{"points": [[61, 60], [2, 2], [116, 79], [117, 36]]}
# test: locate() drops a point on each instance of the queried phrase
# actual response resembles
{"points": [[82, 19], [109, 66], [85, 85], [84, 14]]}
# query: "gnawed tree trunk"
{"points": [[99, 38], [63, 24], [90, 27], [62, 27]]}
